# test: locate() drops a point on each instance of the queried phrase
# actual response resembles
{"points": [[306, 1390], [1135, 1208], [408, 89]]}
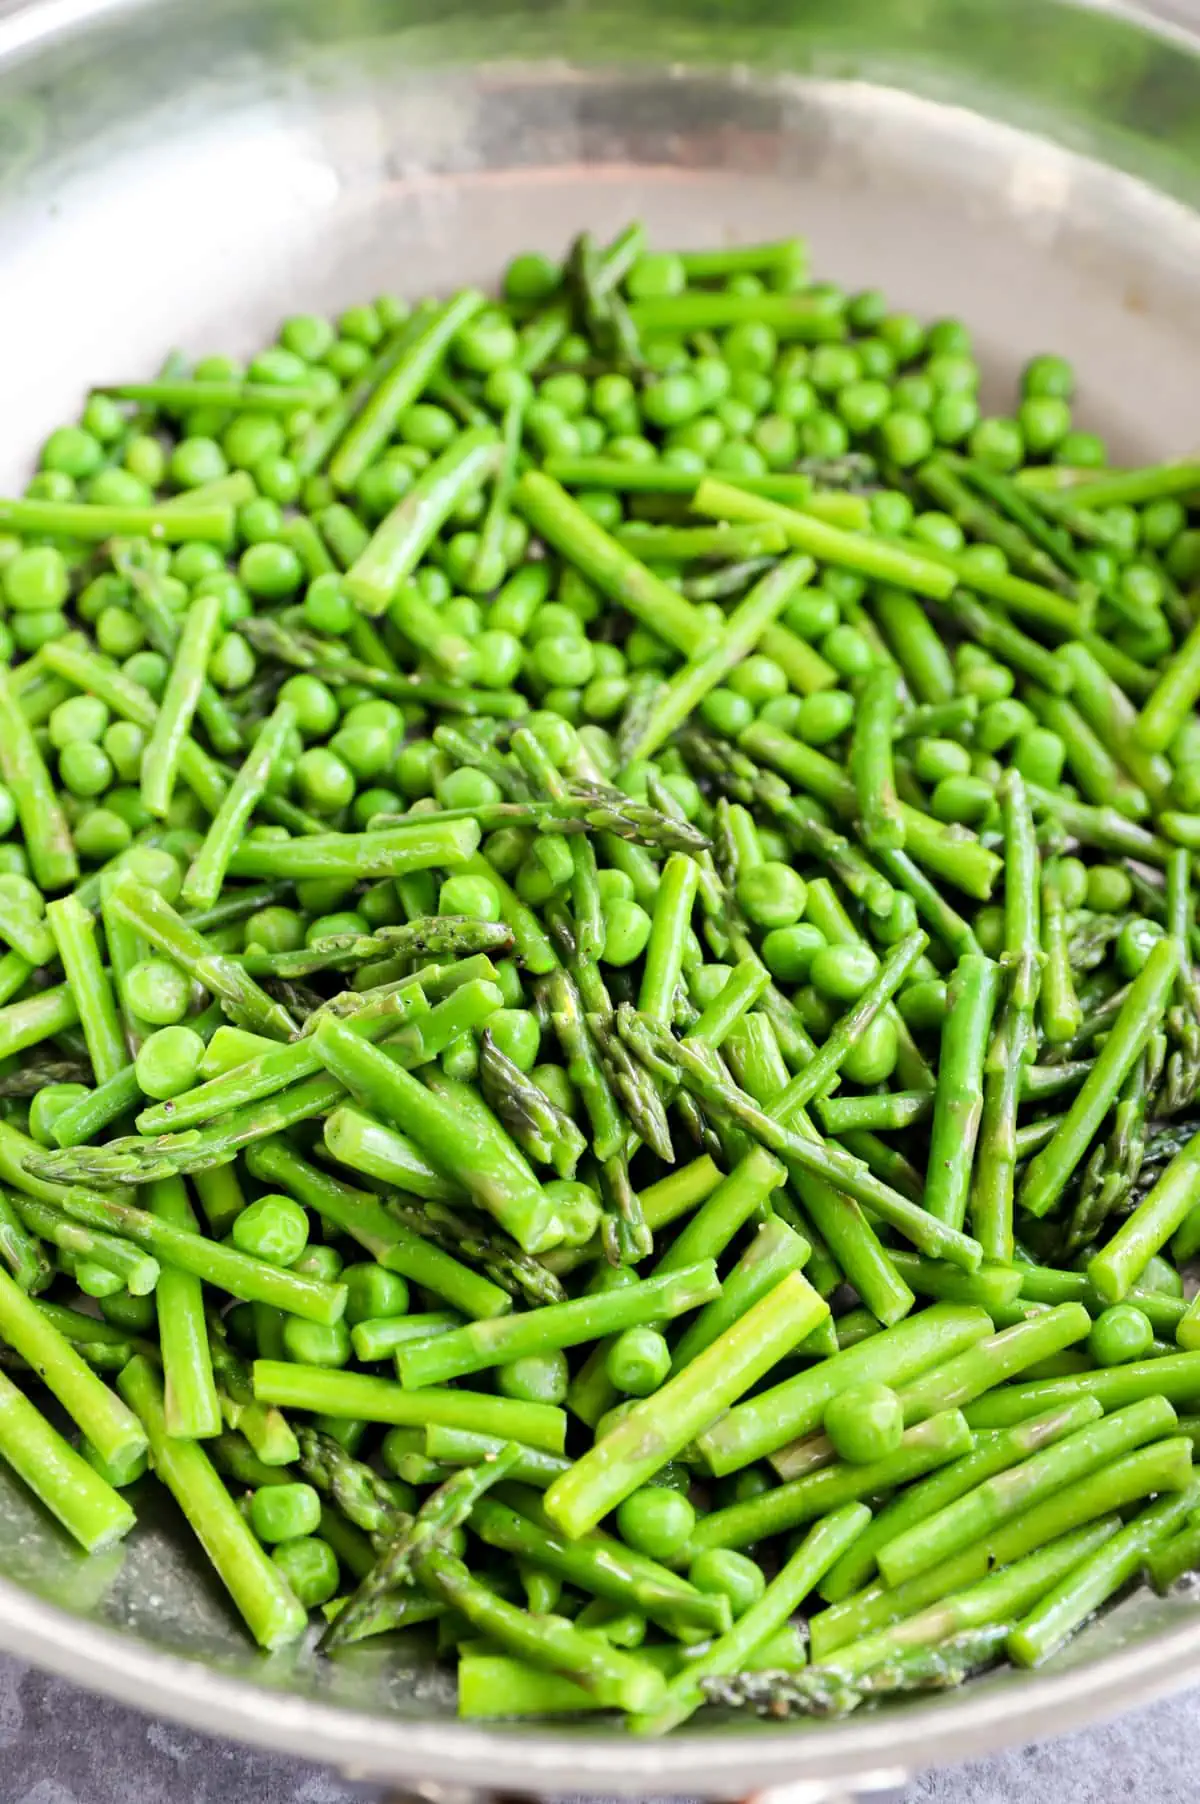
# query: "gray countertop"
{"points": [[62, 1746]]}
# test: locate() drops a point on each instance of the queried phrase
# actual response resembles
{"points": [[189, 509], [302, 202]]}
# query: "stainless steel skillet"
{"points": [[187, 171]]}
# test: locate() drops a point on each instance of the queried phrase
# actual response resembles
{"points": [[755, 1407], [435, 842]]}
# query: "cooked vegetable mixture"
{"points": [[599, 1027]]}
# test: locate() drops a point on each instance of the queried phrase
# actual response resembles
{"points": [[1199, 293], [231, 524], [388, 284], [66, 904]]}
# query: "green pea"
{"points": [[472, 896], [865, 1422], [275, 929], [848, 650], [758, 678], [846, 586], [906, 437], [72, 450], [158, 991], [515, 1033], [953, 417], [1048, 375], [752, 387], [37, 580], [783, 711], [324, 781], [726, 712], [565, 662], [937, 529], [983, 561], [832, 367], [531, 277], [989, 930], [100, 834], [1109, 889], [270, 570], [273, 1227], [466, 788], [738, 458], [750, 345], [48, 1104], [656, 1521], [1120, 1334], [824, 435], [553, 621], [771, 894], [913, 393], [84, 768], [867, 310], [707, 981], [923, 1005], [537, 1378], [309, 1566], [1044, 421], [842, 973], [413, 772], [614, 886], [486, 343], [312, 1343], [865, 404], [872, 1058], [326, 926], [904, 333], [825, 716], [1081, 450], [1162, 522], [346, 359], [788, 952], [328, 608], [281, 367], [812, 614], [673, 399], [30, 631], [775, 438], [82, 718], [168, 1061], [506, 848], [795, 399], [282, 1512], [556, 736]]}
